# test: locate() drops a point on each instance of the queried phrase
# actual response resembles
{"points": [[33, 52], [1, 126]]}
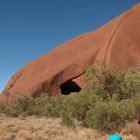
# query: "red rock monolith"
{"points": [[116, 43]]}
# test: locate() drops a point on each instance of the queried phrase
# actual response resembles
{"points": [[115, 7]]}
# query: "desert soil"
{"points": [[35, 128]]}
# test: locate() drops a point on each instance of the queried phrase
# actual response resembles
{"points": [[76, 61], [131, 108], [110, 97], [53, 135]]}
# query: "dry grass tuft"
{"points": [[34, 128], [133, 129]]}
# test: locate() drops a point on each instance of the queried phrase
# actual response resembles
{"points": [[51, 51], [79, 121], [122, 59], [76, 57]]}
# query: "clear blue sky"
{"points": [[30, 28]]}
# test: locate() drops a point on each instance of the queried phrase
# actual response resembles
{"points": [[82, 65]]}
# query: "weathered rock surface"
{"points": [[116, 43]]}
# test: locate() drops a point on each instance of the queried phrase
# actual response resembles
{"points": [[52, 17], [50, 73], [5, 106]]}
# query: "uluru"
{"points": [[62, 70]]}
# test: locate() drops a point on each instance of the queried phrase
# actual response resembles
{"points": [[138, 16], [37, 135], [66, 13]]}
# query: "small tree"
{"points": [[106, 82]]}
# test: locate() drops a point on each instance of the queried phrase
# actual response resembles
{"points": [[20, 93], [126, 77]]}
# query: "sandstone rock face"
{"points": [[62, 70]]}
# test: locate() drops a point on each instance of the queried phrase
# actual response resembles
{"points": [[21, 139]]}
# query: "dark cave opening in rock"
{"points": [[69, 87]]}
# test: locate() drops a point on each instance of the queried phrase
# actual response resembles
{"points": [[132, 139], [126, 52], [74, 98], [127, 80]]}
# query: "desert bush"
{"points": [[67, 118], [54, 106], [110, 83], [12, 112], [127, 110], [40, 104], [106, 82], [22, 104], [109, 116], [42, 100], [26, 105], [79, 104], [136, 102], [3, 106]]}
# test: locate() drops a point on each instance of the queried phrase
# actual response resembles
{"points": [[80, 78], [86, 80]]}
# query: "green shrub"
{"points": [[103, 117], [12, 112], [110, 116], [136, 102], [22, 104], [110, 83], [54, 106], [67, 118], [79, 104], [3, 106], [42, 100], [127, 110], [106, 82]]}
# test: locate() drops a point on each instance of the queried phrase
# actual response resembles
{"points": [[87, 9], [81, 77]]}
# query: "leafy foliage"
{"points": [[111, 83], [109, 116]]}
